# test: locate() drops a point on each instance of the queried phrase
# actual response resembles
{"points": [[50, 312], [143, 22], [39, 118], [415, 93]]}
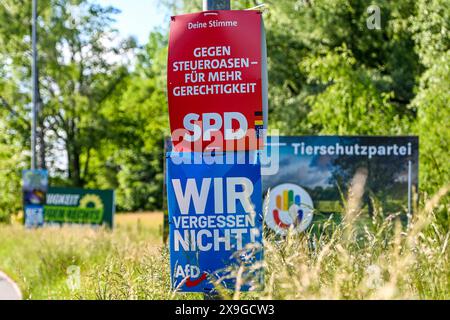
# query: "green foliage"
{"points": [[350, 102], [304, 34], [11, 162], [432, 102], [133, 148]]}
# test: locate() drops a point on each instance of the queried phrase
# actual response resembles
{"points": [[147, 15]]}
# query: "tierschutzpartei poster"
{"points": [[314, 174]]}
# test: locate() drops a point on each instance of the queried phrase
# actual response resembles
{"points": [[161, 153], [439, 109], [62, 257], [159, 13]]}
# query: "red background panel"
{"points": [[245, 42]]}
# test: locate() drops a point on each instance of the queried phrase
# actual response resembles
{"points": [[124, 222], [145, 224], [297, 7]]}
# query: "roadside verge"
{"points": [[8, 288]]}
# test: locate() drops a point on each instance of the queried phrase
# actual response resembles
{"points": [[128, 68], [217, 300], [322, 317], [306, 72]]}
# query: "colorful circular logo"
{"points": [[289, 205]]}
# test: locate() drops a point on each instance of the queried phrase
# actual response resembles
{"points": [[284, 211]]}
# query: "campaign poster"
{"points": [[215, 220], [215, 81], [35, 186], [76, 206], [314, 174]]}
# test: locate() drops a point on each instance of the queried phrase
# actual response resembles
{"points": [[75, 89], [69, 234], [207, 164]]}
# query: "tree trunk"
{"points": [[76, 168], [73, 159]]}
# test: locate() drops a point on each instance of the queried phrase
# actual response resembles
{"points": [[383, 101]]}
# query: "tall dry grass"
{"points": [[379, 259], [382, 259]]}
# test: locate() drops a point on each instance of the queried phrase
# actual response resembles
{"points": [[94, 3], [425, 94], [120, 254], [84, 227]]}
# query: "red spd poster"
{"points": [[214, 81]]}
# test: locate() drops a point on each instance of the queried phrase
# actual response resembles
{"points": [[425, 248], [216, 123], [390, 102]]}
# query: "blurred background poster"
{"points": [[35, 187], [315, 172]]}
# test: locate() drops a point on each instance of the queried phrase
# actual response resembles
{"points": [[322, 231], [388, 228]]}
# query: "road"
{"points": [[8, 289]]}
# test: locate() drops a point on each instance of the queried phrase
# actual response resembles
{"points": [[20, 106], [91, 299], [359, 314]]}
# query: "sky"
{"points": [[138, 17]]}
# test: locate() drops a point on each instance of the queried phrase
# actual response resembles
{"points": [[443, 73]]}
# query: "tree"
{"points": [[350, 102], [431, 26], [12, 160], [81, 63], [15, 83], [133, 151]]}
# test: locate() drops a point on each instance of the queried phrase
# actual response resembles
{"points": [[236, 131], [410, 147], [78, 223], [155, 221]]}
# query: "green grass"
{"points": [[381, 260], [128, 263]]}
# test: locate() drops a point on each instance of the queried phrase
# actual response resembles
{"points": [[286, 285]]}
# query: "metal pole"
{"points": [[216, 5], [409, 187], [35, 85]]}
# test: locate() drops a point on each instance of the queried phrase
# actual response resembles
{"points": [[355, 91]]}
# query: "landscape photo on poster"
{"points": [[315, 172], [215, 221]]}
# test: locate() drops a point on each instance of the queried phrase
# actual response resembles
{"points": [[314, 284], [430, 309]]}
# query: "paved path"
{"points": [[8, 289]]}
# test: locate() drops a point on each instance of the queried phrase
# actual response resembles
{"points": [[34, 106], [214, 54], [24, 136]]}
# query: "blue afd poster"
{"points": [[215, 220]]}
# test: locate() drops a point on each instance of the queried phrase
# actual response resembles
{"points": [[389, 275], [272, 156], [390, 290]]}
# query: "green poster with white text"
{"points": [[79, 206]]}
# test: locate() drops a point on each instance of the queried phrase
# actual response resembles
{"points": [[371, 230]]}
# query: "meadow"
{"points": [[379, 259]]}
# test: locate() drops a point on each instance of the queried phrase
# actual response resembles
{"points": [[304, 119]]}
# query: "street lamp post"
{"points": [[35, 85], [216, 5]]}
